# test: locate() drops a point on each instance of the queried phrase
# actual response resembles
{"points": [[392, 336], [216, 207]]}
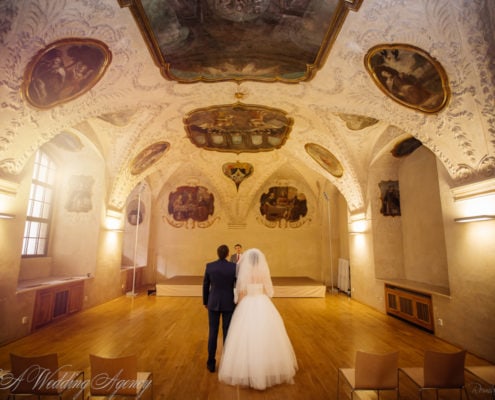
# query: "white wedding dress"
{"points": [[257, 351]]}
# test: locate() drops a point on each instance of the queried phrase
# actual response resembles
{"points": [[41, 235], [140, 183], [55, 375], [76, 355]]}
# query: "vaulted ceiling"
{"points": [[134, 102]]}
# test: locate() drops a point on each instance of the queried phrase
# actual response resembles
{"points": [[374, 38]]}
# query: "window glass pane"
{"points": [[26, 229], [34, 229], [42, 176], [46, 211], [43, 230], [37, 225], [31, 246], [51, 175], [35, 171], [48, 195], [41, 247], [39, 192], [37, 208], [30, 209]]}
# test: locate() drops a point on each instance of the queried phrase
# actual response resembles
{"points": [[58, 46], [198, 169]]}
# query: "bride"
{"points": [[257, 352]]}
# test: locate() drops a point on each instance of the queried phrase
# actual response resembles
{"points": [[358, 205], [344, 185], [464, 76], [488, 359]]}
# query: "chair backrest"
{"points": [[444, 370], [34, 374], [376, 371], [116, 376]]}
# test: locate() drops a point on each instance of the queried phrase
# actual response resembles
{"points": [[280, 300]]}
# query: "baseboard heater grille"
{"points": [[410, 305]]}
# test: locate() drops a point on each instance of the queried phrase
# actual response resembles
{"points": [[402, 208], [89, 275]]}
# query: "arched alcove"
{"points": [[409, 246]]}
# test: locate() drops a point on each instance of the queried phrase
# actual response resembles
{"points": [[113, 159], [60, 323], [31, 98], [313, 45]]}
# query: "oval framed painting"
{"points": [[64, 70], [149, 156], [409, 75], [326, 159]]}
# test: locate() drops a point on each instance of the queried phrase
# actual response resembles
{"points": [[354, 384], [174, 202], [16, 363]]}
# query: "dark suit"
{"points": [[234, 257], [218, 297]]}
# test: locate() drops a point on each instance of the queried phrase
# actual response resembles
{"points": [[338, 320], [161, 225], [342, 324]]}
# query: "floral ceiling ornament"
{"points": [[237, 171]]}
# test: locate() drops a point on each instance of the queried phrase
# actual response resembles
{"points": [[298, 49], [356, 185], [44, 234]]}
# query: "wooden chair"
{"points": [[42, 376], [375, 372], [440, 371], [118, 377], [485, 374]]}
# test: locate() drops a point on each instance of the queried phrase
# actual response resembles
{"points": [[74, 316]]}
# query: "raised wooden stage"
{"points": [[183, 285]]}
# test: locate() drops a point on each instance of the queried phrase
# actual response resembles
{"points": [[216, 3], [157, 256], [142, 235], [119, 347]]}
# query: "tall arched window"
{"points": [[39, 211]]}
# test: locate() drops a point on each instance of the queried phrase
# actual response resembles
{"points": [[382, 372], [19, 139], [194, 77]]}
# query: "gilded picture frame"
{"points": [[325, 159], [409, 76], [64, 70], [148, 157]]}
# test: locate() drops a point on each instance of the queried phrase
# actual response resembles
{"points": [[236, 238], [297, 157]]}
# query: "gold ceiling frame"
{"points": [[167, 71]]}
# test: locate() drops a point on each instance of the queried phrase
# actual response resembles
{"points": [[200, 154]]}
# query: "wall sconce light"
{"points": [[113, 221], [475, 218], [358, 224], [6, 216]]}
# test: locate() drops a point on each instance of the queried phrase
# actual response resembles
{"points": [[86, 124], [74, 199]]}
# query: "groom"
{"points": [[218, 298]]}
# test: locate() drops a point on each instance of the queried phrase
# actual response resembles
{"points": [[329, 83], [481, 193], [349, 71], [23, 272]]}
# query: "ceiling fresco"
{"points": [[149, 156], [338, 119], [409, 75], [238, 128], [325, 158], [216, 40], [64, 70]]}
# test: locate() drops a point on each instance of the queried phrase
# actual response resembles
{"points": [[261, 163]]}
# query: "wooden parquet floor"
{"points": [[169, 335]]}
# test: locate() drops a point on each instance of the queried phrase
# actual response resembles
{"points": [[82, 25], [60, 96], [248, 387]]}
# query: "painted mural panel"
{"points": [[283, 203], [190, 206], [390, 196], [238, 128], [79, 198]]}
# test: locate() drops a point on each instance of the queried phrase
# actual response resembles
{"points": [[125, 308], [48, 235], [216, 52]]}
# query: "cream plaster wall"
{"points": [[437, 251], [387, 230], [468, 314], [425, 257], [290, 251]]}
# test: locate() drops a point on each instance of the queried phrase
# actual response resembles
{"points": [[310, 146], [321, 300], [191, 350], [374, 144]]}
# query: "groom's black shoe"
{"points": [[211, 366]]}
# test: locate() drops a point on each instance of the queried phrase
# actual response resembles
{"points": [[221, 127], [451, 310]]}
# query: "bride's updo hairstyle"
{"points": [[253, 268]]}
